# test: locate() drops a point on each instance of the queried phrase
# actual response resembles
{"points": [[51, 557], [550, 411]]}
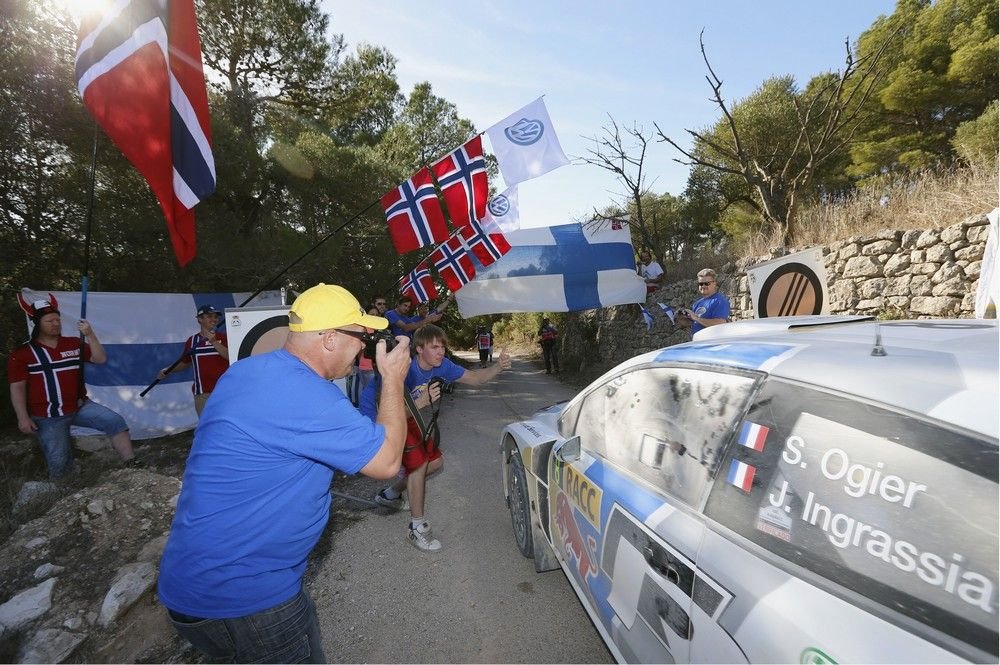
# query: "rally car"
{"points": [[804, 489]]}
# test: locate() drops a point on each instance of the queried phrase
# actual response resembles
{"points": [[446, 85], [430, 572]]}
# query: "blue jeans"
{"points": [[285, 633], [53, 433]]}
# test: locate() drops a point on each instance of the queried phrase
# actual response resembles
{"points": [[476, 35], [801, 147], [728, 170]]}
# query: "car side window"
{"points": [[665, 425], [886, 504]]}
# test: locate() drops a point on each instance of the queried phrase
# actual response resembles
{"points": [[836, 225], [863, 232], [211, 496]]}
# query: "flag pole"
{"points": [[85, 279]]}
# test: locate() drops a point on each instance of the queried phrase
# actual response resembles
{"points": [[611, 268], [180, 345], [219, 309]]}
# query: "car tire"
{"points": [[520, 507]]}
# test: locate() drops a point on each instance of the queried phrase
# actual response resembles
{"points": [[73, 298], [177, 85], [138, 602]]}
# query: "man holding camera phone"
{"points": [[429, 370], [711, 309], [256, 490]]}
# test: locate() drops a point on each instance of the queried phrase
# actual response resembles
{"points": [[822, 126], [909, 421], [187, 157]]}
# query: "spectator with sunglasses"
{"points": [[711, 309]]}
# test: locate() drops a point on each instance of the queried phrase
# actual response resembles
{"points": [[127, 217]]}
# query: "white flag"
{"points": [[501, 212], [525, 144]]}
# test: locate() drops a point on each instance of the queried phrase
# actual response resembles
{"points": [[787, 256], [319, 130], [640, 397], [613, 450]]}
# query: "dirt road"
{"points": [[477, 600]]}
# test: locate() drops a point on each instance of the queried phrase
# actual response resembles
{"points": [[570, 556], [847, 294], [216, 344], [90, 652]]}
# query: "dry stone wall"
{"points": [[895, 274]]}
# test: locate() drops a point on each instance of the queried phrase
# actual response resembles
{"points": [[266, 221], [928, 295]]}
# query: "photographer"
{"points": [[256, 491], [429, 370], [709, 310]]}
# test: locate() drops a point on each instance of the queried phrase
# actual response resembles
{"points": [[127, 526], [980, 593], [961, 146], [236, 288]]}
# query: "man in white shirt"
{"points": [[650, 270]]}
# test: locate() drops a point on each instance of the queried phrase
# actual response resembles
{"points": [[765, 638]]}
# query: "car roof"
{"points": [[945, 369]]}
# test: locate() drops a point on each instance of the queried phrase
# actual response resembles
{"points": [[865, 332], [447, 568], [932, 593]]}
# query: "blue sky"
{"points": [[637, 61]]}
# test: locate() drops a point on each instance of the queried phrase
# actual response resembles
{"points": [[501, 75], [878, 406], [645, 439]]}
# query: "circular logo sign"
{"points": [[525, 132], [793, 289], [499, 206], [267, 335]]}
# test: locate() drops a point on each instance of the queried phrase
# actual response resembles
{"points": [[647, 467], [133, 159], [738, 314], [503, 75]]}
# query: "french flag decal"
{"points": [[753, 436], [741, 475]]}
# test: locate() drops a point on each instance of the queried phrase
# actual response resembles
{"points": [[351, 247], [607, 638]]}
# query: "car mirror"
{"points": [[569, 451]]}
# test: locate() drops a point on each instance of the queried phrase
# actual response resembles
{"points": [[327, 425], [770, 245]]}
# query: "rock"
{"points": [[96, 507], [862, 266], [953, 234], [941, 306], [880, 247], [27, 605], [132, 580], [35, 543], [34, 492], [849, 251], [939, 254], [49, 645], [73, 623], [153, 550], [928, 238], [897, 265], [909, 239], [47, 570], [92, 443]]}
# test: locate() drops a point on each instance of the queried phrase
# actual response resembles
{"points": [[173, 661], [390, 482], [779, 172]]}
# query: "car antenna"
{"points": [[878, 349]]}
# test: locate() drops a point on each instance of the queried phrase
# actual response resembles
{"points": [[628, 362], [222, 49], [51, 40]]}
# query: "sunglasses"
{"points": [[705, 283], [363, 336]]}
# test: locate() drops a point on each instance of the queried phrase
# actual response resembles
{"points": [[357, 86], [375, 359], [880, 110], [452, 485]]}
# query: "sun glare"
{"points": [[80, 8]]}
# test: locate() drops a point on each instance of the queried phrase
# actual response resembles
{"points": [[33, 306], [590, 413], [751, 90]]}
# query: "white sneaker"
{"points": [[423, 539]]}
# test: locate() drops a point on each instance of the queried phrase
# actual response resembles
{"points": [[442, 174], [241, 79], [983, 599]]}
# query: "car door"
{"points": [[848, 532], [624, 492]]}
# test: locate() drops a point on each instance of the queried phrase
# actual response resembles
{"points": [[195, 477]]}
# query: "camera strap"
{"points": [[430, 428]]}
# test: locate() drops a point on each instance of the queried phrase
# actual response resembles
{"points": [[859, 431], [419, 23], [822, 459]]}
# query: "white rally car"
{"points": [[809, 489]]}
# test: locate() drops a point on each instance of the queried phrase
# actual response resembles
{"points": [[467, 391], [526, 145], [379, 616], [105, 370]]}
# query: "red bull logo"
{"points": [[574, 545]]}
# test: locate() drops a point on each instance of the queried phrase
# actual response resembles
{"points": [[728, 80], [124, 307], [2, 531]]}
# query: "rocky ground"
{"points": [[78, 559]]}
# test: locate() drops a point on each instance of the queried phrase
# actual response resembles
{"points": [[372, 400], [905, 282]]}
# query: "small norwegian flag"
{"points": [[753, 436], [488, 247], [462, 177], [413, 214], [418, 284], [741, 475], [453, 264]]}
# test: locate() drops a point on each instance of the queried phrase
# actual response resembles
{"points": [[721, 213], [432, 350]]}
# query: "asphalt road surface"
{"points": [[477, 600]]}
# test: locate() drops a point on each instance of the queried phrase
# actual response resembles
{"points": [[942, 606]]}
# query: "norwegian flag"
{"points": [[453, 263], [462, 177], [488, 247], [413, 214], [139, 72], [418, 284]]}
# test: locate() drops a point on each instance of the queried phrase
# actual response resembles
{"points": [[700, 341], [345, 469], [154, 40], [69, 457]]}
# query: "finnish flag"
{"points": [[142, 333], [563, 268]]}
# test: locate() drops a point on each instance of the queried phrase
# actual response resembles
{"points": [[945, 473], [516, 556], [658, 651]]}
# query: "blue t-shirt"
{"points": [[395, 318], [416, 382], [715, 306], [256, 492]]}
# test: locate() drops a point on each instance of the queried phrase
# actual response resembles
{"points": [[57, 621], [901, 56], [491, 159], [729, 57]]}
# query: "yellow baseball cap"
{"points": [[327, 306]]}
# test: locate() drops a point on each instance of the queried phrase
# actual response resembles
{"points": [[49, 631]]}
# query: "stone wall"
{"points": [[895, 274]]}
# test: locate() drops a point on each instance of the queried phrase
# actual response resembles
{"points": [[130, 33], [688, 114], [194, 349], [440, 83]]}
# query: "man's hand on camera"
{"points": [[504, 360], [396, 363]]}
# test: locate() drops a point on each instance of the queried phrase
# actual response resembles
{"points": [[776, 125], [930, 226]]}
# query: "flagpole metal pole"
{"points": [[307, 253], [85, 279]]}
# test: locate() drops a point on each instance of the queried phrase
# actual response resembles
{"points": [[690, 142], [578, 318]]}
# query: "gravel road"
{"points": [[477, 600]]}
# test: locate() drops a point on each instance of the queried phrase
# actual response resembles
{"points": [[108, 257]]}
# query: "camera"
{"points": [[373, 338]]}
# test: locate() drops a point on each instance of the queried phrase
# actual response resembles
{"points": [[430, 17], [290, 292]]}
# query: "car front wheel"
{"points": [[520, 508]]}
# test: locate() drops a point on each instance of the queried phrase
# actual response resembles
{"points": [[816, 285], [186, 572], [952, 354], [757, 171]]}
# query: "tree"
{"points": [[780, 166], [941, 72], [976, 141], [427, 129], [622, 151]]}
